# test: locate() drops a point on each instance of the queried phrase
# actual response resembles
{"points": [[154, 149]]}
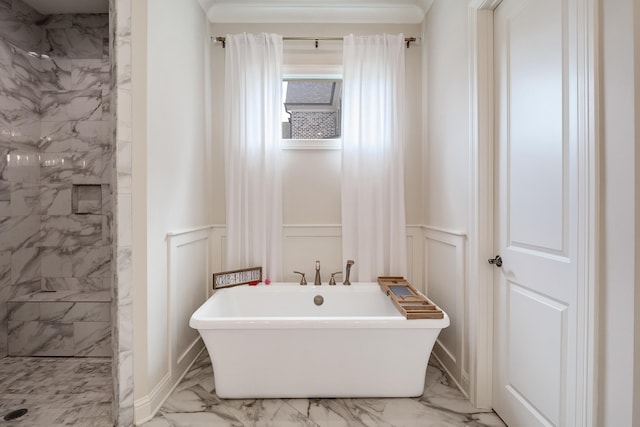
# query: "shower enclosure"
{"points": [[55, 184]]}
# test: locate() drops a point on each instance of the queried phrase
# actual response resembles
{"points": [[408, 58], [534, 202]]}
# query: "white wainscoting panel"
{"points": [[415, 249], [444, 261], [304, 244], [189, 274]]}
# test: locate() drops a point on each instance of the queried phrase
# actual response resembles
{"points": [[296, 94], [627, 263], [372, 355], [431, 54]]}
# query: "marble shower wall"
{"points": [[20, 97], [75, 153], [120, 14], [55, 154]]}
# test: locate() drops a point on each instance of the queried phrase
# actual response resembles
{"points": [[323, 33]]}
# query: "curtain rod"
{"points": [[222, 39]]}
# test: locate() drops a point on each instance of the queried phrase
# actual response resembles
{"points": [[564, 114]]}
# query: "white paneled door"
{"points": [[536, 214]]}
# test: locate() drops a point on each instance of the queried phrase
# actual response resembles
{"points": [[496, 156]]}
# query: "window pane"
{"points": [[311, 109]]}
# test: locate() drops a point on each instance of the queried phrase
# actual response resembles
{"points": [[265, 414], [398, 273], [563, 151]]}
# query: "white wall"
{"points": [[446, 174], [177, 180], [446, 177], [618, 328]]}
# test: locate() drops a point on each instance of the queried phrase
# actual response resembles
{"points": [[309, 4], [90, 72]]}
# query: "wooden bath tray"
{"points": [[411, 303]]}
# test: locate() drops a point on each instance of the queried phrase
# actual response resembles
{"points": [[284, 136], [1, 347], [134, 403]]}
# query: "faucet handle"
{"points": [[303, 280], [332, 281]]}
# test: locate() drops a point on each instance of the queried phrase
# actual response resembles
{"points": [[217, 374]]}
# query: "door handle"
{"points": [[497, 261]]}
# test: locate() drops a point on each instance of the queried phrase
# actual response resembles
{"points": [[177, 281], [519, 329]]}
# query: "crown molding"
{"points": [[300, 11]]}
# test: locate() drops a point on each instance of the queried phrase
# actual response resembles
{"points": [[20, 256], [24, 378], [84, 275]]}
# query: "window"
{"points": [[311, 109]]}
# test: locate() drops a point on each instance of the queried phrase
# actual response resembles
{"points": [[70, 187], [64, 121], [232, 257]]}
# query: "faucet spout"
{"points": [[303, 280], [346, 282], [317, 280]]}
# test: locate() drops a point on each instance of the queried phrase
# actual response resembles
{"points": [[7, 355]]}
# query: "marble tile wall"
{"points": [[20, 96], [75, 149], [55, 156], [61, 328], [121, 102]]}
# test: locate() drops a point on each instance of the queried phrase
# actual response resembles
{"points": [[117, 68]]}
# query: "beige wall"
{"points": [[311, 190]]}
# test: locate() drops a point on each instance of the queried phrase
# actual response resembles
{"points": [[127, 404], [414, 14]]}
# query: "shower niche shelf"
{"points": [[86, 199], [64, 296]]}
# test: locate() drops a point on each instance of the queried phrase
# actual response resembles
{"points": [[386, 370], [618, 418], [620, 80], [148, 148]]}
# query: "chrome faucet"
{"points": [[346, 282], [317, 280]]}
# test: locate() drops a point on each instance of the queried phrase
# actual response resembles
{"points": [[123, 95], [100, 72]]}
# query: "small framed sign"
{"points": [[227, 279]]}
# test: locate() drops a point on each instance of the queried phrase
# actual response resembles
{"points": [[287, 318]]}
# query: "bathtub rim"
{"points": [[203, 322]]}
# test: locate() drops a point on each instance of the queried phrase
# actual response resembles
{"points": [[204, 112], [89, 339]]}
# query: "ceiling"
{"points": [[48, 7], [319, 11], [285, 11]]}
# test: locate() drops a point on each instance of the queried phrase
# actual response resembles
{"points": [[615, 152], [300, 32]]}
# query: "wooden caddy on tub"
{"points": [[411, 303]]}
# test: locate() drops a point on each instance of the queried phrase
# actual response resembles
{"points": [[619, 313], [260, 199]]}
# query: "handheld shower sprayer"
{"points": [[346, 282]]}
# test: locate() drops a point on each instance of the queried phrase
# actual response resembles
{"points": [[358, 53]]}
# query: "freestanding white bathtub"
{"points": [[273, 341]]}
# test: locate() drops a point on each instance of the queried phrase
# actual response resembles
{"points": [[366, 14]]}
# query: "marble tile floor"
{"points": [[57, 391], [194, 404]]}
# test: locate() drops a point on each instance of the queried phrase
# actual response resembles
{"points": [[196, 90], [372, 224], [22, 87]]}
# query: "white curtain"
{"points": [[253, 172], [373, 208]]}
